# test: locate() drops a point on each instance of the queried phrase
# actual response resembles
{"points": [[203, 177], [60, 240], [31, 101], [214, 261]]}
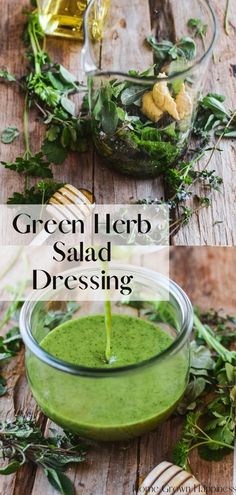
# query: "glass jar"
{"points": [[145, 80], [111, 403]]}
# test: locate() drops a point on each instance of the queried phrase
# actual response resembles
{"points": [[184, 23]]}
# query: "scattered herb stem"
{"points": [[226, 17]]}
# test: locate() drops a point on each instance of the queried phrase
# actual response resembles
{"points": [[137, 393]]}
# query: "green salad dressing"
{"points": [[117, 404]]}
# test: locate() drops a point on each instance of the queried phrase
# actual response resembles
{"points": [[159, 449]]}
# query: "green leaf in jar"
{"points": [[132, 94], [109, 117], [187, 48], [68, 105]]}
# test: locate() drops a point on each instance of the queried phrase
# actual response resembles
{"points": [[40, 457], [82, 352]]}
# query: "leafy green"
{"points": [[9, 346], [132, 94], [219, 440], [54, 153], [7, 76], [9, 135], [47, 86], [34, 166], [198, 27], [213, 116], [165, 50], [21, 441], [38, 194], [60, 314]]}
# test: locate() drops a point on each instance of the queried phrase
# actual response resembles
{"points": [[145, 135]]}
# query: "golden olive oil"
{"points": [[62, 17], [65, 17]]}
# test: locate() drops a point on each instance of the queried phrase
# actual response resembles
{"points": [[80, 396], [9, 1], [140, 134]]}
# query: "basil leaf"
{"points": [[132, 94], [109, 117]]}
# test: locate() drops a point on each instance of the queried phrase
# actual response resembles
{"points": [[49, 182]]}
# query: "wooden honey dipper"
{"points": [[169, 479], [71, 198]]}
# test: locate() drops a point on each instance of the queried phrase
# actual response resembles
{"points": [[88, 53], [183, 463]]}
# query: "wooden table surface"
{"points": [[207, 275], [87, 170]]}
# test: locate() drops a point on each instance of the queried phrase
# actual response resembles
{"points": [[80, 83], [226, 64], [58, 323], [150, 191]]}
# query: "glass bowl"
{"points": [[143, 94], [111, 403]]}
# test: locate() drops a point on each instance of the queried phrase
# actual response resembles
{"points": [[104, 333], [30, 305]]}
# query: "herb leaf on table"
{"points": [[38, 194], [22, 441], [199, 28], [6, 76], [9, 134]]}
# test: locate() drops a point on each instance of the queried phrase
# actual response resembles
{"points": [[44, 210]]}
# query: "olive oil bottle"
{"points": [[65, 17]]}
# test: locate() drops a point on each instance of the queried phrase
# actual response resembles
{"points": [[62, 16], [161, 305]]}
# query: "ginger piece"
{"points": [[163, 99], [149, 108], [184, 103]]}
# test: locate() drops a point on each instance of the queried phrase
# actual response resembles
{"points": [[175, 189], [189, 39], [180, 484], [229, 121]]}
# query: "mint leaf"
{"points": [[60, 482]]}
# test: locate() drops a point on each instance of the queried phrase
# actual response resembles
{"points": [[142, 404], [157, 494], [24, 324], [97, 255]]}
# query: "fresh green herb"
{"points": [[212, 445], [38, 194], [22, 442], [165, 50], [6, 76], [180, 181], [9, 135], [34, 166], [48, 87], [59, 313], [199, 29], [213, 116], [9, 346]]}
